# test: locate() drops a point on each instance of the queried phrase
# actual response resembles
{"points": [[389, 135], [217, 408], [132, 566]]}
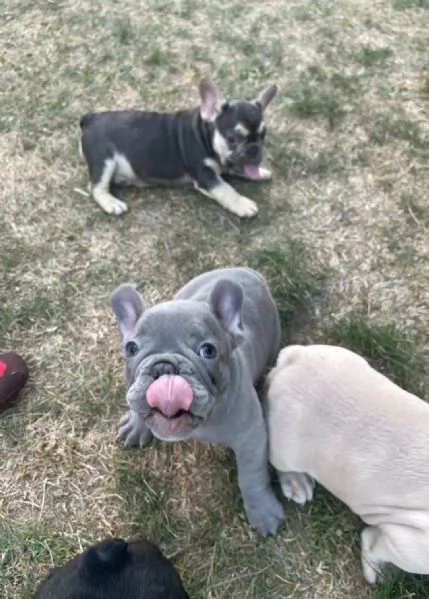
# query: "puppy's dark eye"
{"points": [[131, 349], [231, 138], [208, 351]]}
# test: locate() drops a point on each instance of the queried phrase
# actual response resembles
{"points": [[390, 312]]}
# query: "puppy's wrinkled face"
{"points": [[177, 360], [239, 128], [175, 366], [238, 137]]}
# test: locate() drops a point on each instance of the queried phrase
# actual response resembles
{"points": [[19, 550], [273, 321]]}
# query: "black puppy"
{"points": [[115, 569], [194, 146]]}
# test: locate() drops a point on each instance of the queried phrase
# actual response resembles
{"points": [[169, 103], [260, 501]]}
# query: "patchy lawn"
{"points": [[341, 236]]}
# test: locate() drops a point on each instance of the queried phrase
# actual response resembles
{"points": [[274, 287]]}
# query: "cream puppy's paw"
{"points": [[297, 486]]}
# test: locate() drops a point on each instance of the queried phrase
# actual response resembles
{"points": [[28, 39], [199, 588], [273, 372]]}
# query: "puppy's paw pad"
{"points": [[297, 487], [132, 432], [109, 203], [371, 575], [265, 174], [116, 207], [268, 517], [246, 208]]}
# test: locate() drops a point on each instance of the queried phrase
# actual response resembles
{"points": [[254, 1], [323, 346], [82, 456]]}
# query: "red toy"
{"points": [[13, 376]]}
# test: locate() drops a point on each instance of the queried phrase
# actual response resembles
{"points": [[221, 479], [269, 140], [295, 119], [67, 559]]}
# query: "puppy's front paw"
{"points": [[265, 174], [245, 208], [133, 432], [297, 486], [109, 203], [117, 207], [267, 515]]}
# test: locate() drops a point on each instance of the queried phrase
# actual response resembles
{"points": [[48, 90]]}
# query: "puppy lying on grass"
{"points": [[335, 420]]}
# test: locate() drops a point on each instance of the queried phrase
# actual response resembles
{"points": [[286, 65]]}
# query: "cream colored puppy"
{"points": [[335, 420]]}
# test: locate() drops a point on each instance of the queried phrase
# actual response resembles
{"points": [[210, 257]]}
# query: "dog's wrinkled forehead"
{"points": [[246, 116], [169, 325]]}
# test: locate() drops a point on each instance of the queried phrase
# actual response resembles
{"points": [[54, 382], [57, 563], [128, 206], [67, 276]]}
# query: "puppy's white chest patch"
{"points": [[221, 147]]}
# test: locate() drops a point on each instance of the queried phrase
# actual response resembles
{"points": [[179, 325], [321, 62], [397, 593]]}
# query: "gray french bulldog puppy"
{"points": [[191, 367], [187, 147]]}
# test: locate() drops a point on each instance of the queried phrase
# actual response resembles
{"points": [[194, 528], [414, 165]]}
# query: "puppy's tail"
{"points": [[108, 556], [86, 119]]}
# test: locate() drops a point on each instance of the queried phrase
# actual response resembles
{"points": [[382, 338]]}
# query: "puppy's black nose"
{"points": [[161, 368], [252, 151]]}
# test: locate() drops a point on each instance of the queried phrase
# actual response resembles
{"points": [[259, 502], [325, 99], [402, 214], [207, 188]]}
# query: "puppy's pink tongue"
{"points": [[251, 171], [169, 394]]}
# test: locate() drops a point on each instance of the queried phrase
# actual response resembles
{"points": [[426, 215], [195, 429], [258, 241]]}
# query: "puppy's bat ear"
{"points": [[266, 96], [212, 100], [227, 301], [127, 305], [107, 556]]}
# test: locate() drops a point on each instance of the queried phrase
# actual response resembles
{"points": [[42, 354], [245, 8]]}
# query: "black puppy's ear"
{"points": [[266, 96], [212, 100], [108, 556], [227, 301], [127, 305]]}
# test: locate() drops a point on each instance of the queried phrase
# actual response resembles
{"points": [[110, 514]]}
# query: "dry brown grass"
{"points": [[349, 145]]}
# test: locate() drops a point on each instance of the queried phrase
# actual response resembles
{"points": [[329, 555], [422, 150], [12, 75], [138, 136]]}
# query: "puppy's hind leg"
{"points": [[101, 176], [407, 547], [297, 486], [373, 553]]}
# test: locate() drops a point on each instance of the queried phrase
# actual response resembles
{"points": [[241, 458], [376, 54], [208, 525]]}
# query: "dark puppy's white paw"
{"points": [[245, 208], [133, 432], [109, 203]]}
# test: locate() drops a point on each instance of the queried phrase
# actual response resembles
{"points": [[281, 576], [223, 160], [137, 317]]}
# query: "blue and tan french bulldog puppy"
{"points": [[335, 420], [188, 147], [114, 569], [191, 367]]}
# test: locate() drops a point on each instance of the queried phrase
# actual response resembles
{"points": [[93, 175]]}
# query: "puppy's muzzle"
{"points": [[163, 367], [254, 153]]}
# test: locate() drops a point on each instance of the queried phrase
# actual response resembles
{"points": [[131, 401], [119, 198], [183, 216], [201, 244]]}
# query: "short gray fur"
{"points": [[232, 309]]}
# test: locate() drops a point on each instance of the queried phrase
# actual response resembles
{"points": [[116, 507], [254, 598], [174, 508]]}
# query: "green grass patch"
{"points": [[328, 523], [319, 93], [297, 163], [410, 4], [369, 57], [35, 310], [417, 213], [387, 348], [14, 251], [39, 308], [296, 282], [25, 549], [309, 101], [400, 585], [386, 129]]}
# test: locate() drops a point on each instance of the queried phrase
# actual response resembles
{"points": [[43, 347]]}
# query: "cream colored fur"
{"points": [[335, 420]]}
